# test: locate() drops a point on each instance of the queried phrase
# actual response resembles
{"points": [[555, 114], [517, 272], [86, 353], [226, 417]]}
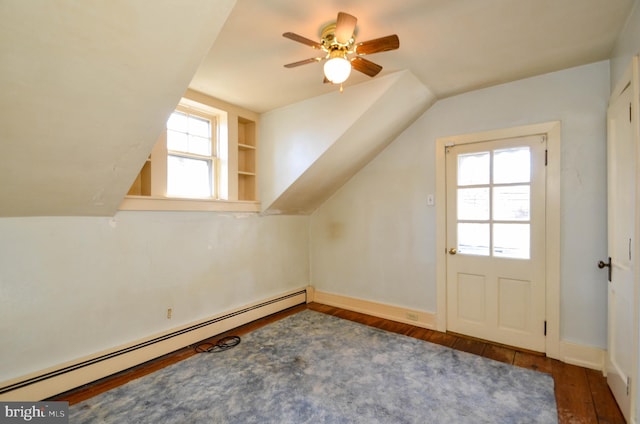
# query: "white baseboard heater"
{"points": [[53, 381]]}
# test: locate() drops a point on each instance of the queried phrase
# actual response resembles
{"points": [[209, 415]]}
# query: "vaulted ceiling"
{"points": [[452, 46], [85, 87]]}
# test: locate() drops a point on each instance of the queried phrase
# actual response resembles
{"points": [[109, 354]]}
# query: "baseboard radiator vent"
{"points": [[57, 380]]}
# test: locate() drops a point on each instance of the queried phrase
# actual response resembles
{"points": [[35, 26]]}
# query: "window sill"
{"points": [[146, 203]]}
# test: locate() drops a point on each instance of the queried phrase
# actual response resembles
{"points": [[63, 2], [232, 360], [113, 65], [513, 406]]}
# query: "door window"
{"points": [[494, 203]]}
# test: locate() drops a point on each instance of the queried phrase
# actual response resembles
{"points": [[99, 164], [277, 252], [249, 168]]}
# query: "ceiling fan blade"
{"points": [[300, 39], [390, 42], [365, 66], [303, 62], [345, 26]]}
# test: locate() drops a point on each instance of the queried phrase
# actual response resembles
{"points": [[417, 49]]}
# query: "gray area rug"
{"points": [[314, 368]]}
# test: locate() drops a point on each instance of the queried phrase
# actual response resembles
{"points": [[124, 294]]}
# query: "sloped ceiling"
{"points": [[451, 46], [86, 89], [86, 86], [310, 149]]}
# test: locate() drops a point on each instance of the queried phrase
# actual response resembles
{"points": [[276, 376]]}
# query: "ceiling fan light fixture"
{"points": [[338, 42], [337, 69]]}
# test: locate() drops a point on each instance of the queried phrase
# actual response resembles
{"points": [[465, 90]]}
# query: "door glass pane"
{"points": [[473, 203], [474, 169], [188, 177], [473, 239], [512, 165], [511, 241], [511, 203]]}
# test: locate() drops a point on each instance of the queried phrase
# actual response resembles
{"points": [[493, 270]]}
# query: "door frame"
{"points": [[631, 78], [552, 131]]}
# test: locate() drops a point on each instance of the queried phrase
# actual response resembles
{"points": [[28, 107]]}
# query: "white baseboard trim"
{"points": [[311, 294], [584, 356], [46, 383], [394, 313], [570, 353]]}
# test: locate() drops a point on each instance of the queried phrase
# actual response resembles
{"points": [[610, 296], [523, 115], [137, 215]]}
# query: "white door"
{"points": [[622, 291], [496, 240]]}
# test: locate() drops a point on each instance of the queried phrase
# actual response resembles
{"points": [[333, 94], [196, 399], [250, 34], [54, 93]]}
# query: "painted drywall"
{"points": [[86, 90], [375, 238], [293, 137], [309, 149], [73, 286]]}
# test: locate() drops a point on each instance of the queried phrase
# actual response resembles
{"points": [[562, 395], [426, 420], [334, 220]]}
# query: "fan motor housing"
{"points": [[329, 42]]}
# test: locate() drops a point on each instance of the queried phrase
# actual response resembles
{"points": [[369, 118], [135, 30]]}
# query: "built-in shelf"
{"points": [[142, 185], [246, 159], [235, 166]]}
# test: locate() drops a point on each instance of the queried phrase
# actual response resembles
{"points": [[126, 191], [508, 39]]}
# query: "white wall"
{"points": [[294, 136], [118, 68], [311, 148], [375, 238], [70, 287]]}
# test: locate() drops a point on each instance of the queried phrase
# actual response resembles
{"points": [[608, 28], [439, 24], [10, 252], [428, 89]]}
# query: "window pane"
{"points": [[177, 141], [178, 122], [512, 166], [473, 239], [473, 203], [473, 169], [199, 145], [511, 241], [199, 126], [511, 203], [190, 134], [188, 177]]}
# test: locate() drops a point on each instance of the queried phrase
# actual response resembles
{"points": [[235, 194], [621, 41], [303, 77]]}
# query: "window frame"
{"points": [[154, 198], [214, 170]]}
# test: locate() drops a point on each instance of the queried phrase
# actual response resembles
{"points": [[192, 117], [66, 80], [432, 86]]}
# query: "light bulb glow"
{"points": [[337, 70]]}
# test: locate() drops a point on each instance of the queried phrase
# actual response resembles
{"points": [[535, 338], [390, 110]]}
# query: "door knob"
{"points": [[453, 251], [603, 264]]}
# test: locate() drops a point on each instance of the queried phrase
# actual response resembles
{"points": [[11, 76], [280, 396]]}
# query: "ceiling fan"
{"points": [[341, 51]]}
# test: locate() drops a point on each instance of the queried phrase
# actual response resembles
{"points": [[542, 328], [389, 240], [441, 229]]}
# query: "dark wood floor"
{"points": [[582, 395]]}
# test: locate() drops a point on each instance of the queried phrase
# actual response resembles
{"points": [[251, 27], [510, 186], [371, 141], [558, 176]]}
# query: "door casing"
{"points": [[552, 131], [628, 85]]}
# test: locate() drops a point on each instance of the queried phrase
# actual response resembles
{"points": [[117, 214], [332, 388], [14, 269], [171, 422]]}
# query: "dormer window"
{"points": [[204, 160], [185, 163], [191, 155]]}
